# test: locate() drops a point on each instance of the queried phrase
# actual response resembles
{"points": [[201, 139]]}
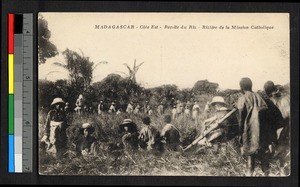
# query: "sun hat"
{"points": [[57, 100], [126, 121], [87, 126], [217, 99]]}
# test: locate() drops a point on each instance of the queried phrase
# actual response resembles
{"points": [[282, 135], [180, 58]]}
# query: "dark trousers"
{"points": [[264, 160]]}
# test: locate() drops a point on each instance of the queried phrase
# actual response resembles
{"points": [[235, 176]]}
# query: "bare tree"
{"points": [[133, 71]]}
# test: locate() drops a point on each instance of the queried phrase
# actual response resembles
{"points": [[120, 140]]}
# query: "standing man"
{"points": [[174, 112], [55, 135], [100, 107], [160, 109], [196, 113], [137, 109], [255, 139], [282, 102], [112, 108], [129, 108], [179, 108], [79, 104], [187, 112]]}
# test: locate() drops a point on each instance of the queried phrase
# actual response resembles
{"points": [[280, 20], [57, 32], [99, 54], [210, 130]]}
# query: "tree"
{"points": [[115, 88], [80, 69], [46, 49], [133, 71], [164, 93], [205, 87]]}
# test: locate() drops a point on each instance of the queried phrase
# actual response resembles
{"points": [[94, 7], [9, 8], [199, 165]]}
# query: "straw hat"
{"points": [[87, 126], [126, 121], [57, 100], [217, 99]]}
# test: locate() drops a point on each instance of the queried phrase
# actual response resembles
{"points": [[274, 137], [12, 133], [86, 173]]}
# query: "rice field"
{"points": [[220, 160]]}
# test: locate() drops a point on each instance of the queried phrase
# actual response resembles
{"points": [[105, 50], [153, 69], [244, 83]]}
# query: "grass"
{"points": [[224, 160]]}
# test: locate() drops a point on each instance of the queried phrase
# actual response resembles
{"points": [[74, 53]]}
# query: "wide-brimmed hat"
{"points": [[57, 101], [126, 121], [87, 126], [217, 99]]}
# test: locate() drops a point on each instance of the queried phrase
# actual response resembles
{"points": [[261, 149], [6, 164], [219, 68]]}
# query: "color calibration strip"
{"points": [[11, 144], [20, 60]]}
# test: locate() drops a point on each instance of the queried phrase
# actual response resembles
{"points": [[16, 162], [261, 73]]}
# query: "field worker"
{"points": [[149, 137], [187, 111], [86, 142], [206, 109], [160, 109], [79, 104], [150, 111], [171, 134], [146, 106], [174, 112], [119, 111], [100, 107], [112, 108], [55, 131], [173, 102], [227, 130], [195, 111], [137, 109], [282, 102], [129, 108], [179, 108], [254, 133], [130, 134]]}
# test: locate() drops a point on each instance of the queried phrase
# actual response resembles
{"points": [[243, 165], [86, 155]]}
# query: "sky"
{"points": [[176, 56]]}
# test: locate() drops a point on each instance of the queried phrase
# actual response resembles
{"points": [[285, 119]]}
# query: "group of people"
{"points": [[179, 108], [262, 125], [148, 138]]}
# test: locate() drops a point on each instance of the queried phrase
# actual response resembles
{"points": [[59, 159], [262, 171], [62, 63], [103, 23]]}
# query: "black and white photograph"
{"points": [[164, 94]]}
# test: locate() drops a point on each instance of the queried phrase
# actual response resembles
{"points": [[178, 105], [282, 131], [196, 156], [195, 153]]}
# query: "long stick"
{"points": [[213, 127], [128, 155]]}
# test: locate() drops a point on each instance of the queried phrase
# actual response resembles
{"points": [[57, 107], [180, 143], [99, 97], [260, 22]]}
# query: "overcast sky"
{"points": [[176, 56]]}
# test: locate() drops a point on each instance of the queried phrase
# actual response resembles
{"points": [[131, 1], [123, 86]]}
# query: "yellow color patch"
{"points": [[10, 73]]}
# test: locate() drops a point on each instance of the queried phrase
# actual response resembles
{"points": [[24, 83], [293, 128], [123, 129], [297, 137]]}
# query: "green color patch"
{"points": [[10, 114]]}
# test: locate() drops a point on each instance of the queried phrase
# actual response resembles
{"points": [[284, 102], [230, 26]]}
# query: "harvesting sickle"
{"points": [[212, 127]]}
